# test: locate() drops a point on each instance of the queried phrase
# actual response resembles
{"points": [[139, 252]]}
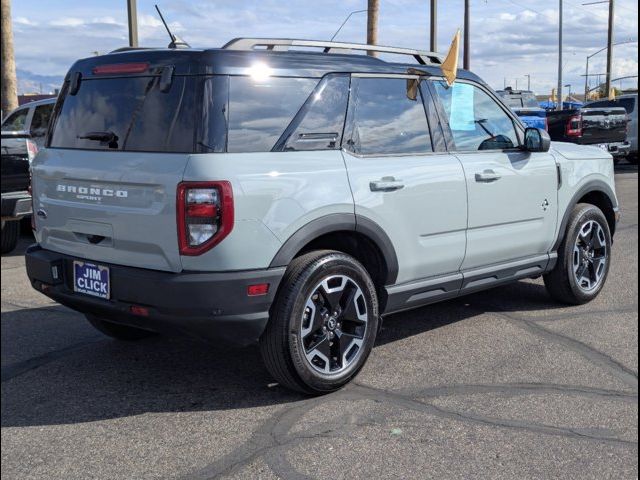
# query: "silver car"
{"points": [[261, 192]]}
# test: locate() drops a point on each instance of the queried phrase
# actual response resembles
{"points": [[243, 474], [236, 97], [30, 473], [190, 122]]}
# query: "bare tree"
{"points": [[9, 82], [372, 24]]}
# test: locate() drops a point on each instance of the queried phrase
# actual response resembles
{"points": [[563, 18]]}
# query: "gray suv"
{"points": [[267, 192]]}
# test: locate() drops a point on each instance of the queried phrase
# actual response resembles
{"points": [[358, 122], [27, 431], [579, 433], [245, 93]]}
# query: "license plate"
{"points": [[91, 279], [604, 146]]}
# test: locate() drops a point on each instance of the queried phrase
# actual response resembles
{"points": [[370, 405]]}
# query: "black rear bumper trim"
{"points": [[210, 305]]}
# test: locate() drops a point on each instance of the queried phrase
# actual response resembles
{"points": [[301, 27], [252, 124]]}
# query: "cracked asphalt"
{"points": [[501, 384]]}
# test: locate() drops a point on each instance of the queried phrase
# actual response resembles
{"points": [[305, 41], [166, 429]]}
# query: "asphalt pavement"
{"points": [[502, 384]]}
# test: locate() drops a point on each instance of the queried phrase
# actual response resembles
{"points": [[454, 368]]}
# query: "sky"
{"points": [[509, 38]]}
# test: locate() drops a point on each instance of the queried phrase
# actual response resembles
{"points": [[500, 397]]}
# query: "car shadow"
{"points": [[98, 378]]}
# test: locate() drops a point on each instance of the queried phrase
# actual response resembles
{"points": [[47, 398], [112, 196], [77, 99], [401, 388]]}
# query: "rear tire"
{"points": [[117, 331], [632, 159], [584, 257], [9, 236], [323, 323]]}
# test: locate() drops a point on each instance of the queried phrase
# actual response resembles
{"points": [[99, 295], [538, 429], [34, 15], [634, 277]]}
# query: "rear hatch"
{"points": [[119, 140], [603, 125]]}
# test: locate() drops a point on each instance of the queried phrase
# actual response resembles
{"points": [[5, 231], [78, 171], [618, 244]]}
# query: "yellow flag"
{"points": [[450, 65]]}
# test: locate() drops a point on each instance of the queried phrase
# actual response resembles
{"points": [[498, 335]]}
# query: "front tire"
{"points": [[117, 331], [323, 323], [584, 257]]}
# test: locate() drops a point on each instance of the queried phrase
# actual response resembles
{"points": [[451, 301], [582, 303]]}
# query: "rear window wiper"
{"points": [[106, 136]]}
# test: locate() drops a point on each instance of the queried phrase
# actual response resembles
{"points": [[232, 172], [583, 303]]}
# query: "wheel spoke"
{"points": [[348, 346], [319, 355]]}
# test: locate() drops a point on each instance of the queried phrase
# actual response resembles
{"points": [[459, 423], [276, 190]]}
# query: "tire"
{"points": [[633, 159], [327, 307], [117, 331], [584, 257], [9, 236]]}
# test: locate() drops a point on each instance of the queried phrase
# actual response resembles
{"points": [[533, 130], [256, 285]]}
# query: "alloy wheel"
{"points": [[334, 324], [590, 256]]}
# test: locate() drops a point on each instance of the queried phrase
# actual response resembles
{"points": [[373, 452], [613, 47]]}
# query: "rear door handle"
{"points": [[386, 184], [487, 176]]}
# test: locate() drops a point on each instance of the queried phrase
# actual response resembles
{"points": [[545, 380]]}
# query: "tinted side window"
{"points": [[320, 122], [261, 109], [15, 122], [40, 120], [476, 120], [386, 121]]}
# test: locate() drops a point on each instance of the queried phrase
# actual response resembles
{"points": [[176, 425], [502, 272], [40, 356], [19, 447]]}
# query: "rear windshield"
{"points": [[520, 100], [129, 113]]}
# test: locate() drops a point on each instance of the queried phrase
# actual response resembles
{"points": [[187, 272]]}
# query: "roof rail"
{"points": [[283, 44]]}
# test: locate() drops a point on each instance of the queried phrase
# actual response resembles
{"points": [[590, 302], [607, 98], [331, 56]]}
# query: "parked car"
{"points": [[600, 126], [630, 103], [23, 131], [525, 105], [261, 193]]}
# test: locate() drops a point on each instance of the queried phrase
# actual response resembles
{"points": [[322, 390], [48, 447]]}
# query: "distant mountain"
{"points": [[29, 82]]}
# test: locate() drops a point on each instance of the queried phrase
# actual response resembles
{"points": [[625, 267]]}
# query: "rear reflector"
{"points": [[119, 68], [257, 290], [138, 310]]}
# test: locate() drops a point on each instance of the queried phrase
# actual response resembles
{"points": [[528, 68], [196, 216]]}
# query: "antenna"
{"points": [[173, 38], [176, 42]]}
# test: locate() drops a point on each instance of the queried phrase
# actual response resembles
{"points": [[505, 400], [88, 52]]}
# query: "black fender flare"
{"points": [[589, 187], [337, 222]]}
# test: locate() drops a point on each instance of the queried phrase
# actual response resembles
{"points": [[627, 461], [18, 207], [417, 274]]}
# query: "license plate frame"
{"points": [[92, 279], [604, 146]]}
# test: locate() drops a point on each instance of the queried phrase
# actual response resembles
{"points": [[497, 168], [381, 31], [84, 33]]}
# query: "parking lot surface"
{"points": [[501, 384]]}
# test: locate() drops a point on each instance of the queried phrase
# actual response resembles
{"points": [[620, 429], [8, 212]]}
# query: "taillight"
{"points": [[33, 212], [32, 150], [205, 215], [574, 126]]}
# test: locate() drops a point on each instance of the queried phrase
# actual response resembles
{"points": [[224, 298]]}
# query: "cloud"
{"points": [[508, 38]]}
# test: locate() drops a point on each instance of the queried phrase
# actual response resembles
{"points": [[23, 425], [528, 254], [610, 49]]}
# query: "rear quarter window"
{"points": [[16, 121], [261, 109]]}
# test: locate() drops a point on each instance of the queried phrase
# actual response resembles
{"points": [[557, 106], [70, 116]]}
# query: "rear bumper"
{"points": [[619, 149], [210, 305], [15, 205]]}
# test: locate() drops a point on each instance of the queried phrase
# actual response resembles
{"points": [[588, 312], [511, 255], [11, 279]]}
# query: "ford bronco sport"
{"points": [[261, 192]]}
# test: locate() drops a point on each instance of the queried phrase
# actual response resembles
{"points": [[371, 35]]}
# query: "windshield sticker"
{"points": [[462, 114]]}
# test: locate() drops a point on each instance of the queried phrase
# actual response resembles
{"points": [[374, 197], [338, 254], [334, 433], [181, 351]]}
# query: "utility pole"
{"points": [[559, 104], [466, 60], [433, 45], [609, 48], [132, 17], [373, 7], [9, 81], [528, 81]]}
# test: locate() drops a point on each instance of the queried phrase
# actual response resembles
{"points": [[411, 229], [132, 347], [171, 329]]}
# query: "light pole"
{"points": [[528, 81], [433, 45], [568, 85], [372, 25], [609, 48], [559, 104], [586, 79], [467, 22], [132, 18]]}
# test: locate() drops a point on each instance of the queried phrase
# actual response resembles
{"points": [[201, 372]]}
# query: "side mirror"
{"points": [[536, 140]]}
